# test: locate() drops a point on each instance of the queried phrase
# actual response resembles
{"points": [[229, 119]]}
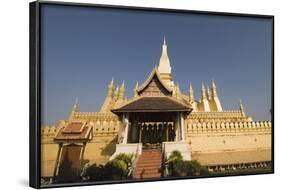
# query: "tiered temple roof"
{"points": [[161, 76]]}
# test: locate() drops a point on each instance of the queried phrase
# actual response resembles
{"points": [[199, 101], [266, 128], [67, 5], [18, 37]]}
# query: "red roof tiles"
{"points": [[74, 131]]}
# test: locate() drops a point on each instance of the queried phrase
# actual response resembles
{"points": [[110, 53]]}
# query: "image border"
{"points": [[35, 89]]}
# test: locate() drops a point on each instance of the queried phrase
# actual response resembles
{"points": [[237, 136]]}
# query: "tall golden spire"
{"points": [[164, 62], [214, 89], [110, 88], [191, 92], [209, 95], [204, 100], [116, 93], [215, 97], [122, 91], [203, 92]]}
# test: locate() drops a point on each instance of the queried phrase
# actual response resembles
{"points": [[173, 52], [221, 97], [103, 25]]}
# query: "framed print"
{"points": [[130, 94]]}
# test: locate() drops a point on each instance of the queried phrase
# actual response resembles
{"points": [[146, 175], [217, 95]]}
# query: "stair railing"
{"points": [[137, 155]]}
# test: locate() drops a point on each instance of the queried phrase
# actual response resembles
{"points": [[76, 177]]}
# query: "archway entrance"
{"points": [[152, 128], [70, 166]]}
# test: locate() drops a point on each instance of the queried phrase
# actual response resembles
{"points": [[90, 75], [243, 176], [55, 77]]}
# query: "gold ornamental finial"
{"points": [[135, 89], [74, 109], [110, 88], [191, 92], [209, 95], [177, 90], [242, 110], [75, 105], [122, 91], [116, 93], [76, 101], [203, 92], [122, 85], [214, 89]]}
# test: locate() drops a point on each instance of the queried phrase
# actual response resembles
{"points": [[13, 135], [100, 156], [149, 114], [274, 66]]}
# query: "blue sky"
{"points": [[83, 48]]}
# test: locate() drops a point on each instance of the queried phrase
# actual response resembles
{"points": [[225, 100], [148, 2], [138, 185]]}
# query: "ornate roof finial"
{"points": [[110, 88], [242, 110], [75, 105], [191, 92], [203, 92], [164, 42], [135, 89], [74, 109], [76, 101], [177, 90], [209, 95], [122, 91], [122, 85], [116, 93], [178, 87], [214, 89]]}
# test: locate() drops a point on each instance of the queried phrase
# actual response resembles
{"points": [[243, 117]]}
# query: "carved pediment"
{"points": [[154, 87]]}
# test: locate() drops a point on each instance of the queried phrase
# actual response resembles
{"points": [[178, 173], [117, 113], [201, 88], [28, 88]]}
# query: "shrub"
{"points": [[94, 172], [127, 158], [178, 167], [204, 171], [192, 167], [116, 169], [175, 155]]}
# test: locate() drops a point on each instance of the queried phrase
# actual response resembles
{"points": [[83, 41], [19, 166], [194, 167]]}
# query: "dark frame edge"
{"points": [[34, 132], [272, 97]]}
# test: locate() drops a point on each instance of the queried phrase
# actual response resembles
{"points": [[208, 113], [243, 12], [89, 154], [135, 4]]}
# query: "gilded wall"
{"points": [[210, 143]]}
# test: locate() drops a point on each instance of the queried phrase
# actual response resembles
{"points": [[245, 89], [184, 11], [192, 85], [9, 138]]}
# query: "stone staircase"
{"points": [[148, 165]]}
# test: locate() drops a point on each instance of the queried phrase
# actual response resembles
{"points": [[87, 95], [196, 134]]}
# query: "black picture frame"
{"points": [[35, 87]]}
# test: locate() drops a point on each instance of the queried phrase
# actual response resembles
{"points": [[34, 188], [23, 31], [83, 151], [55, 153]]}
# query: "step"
{"points": [[148, 164], [151, 152], [148, 155], [149, 161], [147, 176], [147, 171], [151, 155], [158, 166], [145, 155], [150, 158]]}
